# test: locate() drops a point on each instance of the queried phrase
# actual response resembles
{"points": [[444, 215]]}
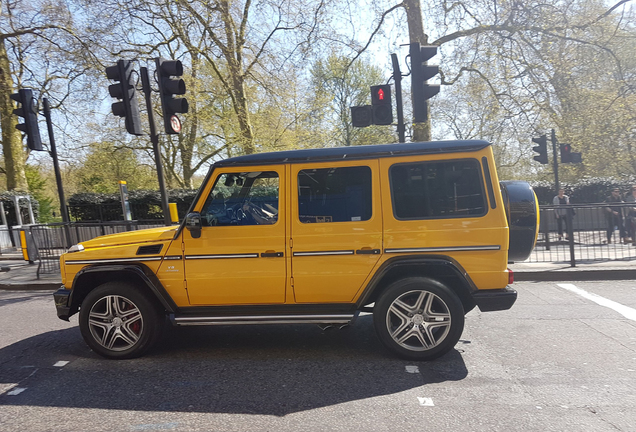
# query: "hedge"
{"points": [[144, 205]]}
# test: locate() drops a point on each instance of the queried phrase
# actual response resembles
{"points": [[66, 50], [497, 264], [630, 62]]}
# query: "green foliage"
{"points": [[37, 188], [106, 164], [144, 204], [337, 86]]}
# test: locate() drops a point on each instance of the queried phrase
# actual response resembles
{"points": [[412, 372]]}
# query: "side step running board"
{"points": [[189, 320]]}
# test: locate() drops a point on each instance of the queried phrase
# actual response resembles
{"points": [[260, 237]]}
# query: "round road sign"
{"points": [[175, 123]]}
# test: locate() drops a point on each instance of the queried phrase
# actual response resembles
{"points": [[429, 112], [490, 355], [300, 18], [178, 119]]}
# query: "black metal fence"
{"points": [[47, 243], [586, 233], [582, 233]]}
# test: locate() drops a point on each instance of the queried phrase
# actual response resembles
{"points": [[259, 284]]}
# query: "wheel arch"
{"points": [[443, 269], [139, 275]]}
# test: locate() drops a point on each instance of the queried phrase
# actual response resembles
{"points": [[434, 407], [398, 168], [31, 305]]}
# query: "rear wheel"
{"points": [[418, 318], [118, 321]]}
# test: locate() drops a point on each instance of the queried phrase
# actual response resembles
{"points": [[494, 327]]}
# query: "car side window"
{"points": [[334, 194], [242, 198], [441, 189]]}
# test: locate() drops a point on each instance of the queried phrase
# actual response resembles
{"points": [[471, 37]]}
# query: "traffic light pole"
{"points": [[154, 138], [555, 161], [56, 168], [397, 77]]}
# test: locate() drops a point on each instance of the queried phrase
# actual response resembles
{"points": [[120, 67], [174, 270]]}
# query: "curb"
{"points": [[575, 275], [35, 286]]}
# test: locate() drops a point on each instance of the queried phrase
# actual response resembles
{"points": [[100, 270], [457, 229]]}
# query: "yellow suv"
{"points": [[416, 233]]}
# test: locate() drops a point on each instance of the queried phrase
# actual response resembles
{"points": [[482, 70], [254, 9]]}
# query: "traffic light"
{"points": [[542, 149], [566, 153], [381, 103], [124, 89], [29, 111], [568, 156], [361, 116], [420, 73], [170, 85]]}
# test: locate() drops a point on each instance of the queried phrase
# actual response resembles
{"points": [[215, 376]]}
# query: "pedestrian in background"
{"points": [[631, 215], [561, 199], [614, 215]]}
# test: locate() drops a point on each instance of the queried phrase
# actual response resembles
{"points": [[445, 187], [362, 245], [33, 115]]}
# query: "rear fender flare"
{"points": [[438, 267]]}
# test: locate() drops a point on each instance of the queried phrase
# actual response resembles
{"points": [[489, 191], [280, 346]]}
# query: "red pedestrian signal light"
{"points": [[381, 103], [566, 153], [568, 156]]}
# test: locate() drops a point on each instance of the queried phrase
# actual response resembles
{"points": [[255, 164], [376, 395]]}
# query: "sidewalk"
{"points": [[23, 276], [17, 274], [584, 271]]}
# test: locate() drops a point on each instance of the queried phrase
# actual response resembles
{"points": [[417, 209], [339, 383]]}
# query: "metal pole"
{"points": [[555, 161], [56, 168], [154, 138], [397, 77], [570, 230], [16, 203]]}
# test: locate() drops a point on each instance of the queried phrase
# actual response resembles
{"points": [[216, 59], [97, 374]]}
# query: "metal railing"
{"points": [[45, 244], [588, 233], [583, 236]]}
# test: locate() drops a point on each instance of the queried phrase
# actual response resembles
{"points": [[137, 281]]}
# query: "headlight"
{"points": [[76, 248]]}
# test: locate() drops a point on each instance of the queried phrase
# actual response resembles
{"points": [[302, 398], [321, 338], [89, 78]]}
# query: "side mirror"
{"points": [[193, 224]]}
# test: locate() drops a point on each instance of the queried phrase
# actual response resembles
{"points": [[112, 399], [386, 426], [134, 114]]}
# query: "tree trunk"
{"points": [[14, 160], [421, 131]]}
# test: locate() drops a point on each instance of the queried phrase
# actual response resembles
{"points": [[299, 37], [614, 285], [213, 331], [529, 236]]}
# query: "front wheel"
{"points": [[418, 318], [117, 321]]}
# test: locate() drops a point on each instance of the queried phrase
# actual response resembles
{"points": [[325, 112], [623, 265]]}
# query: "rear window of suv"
{"points": [[441, 189]]}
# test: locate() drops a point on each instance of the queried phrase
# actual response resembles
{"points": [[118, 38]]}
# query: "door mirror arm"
{"points": [[193, 224]]}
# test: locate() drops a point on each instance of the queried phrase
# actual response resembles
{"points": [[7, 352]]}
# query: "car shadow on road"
{"points": [[270, 370]]}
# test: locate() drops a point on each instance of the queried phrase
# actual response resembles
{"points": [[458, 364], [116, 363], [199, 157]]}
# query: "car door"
{"points": [[240, 256], [336, 229]]}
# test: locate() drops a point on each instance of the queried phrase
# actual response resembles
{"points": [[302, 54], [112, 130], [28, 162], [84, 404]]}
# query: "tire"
{"points": [[118, 321], [434, 326]]}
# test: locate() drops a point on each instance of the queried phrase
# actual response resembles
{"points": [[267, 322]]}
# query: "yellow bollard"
{"points": [[23, 245], [174, 215]]}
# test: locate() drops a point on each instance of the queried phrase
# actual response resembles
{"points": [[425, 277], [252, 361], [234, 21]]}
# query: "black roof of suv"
{"points": [[356, 152]]}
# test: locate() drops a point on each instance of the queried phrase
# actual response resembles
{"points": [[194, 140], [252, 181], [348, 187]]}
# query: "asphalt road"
{"points": [[562, 359]]}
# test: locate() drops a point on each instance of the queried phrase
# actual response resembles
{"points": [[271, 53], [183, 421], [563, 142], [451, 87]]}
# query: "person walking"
{"points": [[614, 215], [561, 199]]}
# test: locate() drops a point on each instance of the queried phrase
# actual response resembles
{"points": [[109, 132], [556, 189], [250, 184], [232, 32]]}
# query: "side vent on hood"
{"points": [[149, 250]]}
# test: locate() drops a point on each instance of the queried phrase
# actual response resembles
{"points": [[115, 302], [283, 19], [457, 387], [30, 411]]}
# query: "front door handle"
{"points": [[272, 254], [367, 251]]}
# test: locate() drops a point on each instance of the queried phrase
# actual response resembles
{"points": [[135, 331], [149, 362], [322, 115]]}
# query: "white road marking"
{"points": [[16, 391], [626, 311], [61, 363], [412, 369], [424, 401], [6, 387]]}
